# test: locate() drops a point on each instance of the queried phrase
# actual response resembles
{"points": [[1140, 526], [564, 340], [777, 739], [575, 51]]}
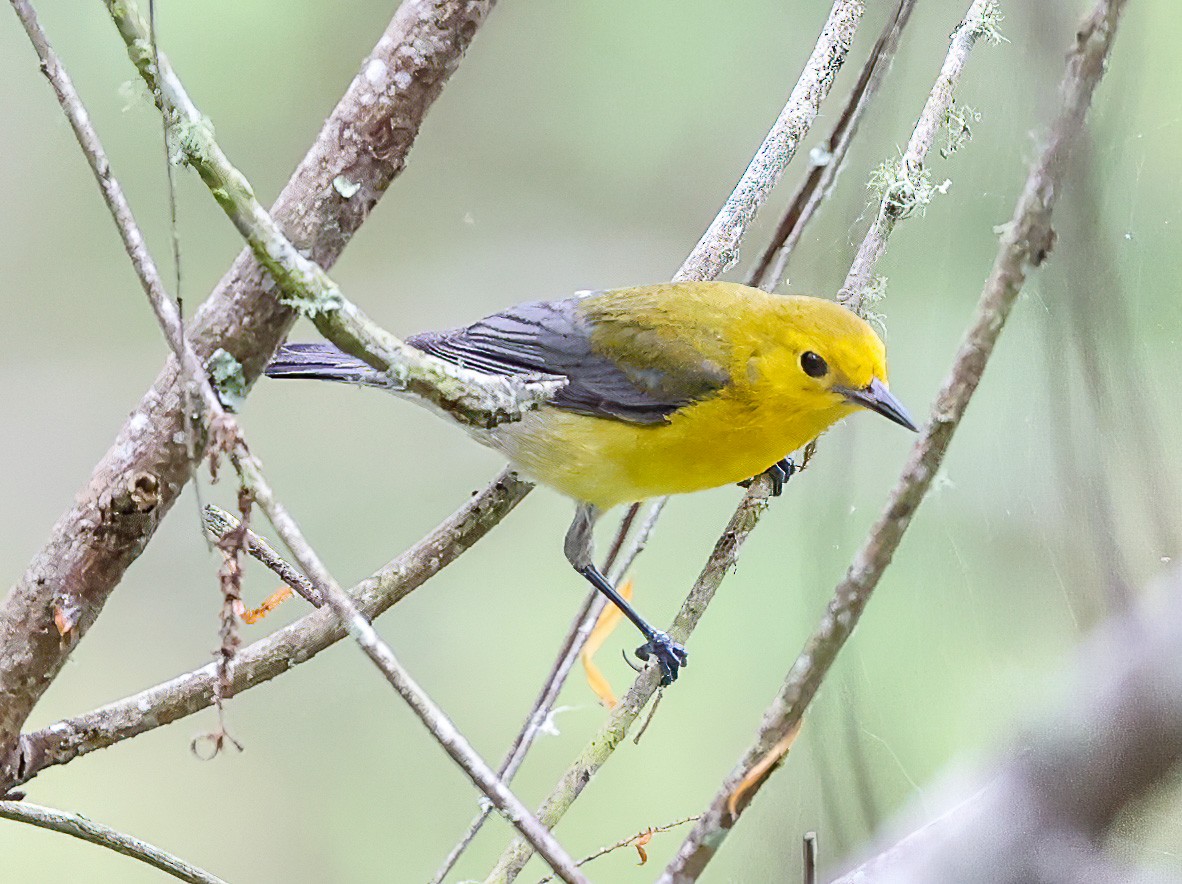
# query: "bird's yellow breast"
{"points": [[719, 441]]}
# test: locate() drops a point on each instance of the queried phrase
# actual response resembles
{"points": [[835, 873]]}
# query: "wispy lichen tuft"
{"points": [[311, 307], [190, 139], [135, 95], [874, 292], [958, 130], [225, 373], [904, 188], [990, 27]]}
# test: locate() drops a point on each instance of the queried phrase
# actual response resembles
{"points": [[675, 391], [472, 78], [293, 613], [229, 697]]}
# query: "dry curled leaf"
{"points": [[760, 769], [251, 616], [607, 622], [641, 840]]}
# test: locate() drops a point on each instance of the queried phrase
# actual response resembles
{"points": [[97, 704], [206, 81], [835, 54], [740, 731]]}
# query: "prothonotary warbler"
{"points": [[670, 388]]}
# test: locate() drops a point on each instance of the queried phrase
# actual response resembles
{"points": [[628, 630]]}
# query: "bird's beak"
{"points": [[877, 397]]}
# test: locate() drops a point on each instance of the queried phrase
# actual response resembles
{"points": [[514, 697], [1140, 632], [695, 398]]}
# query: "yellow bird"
{"points": [[670, 388]]}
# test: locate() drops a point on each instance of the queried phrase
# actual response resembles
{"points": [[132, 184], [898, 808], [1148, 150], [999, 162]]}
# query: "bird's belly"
{"points": [[607, 462]]}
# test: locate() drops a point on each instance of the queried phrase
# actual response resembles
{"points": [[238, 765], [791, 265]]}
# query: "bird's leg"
{"points": [[779, 473], [670, 656]]}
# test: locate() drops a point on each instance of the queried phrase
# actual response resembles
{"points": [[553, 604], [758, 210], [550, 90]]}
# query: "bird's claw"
{"points": [[670, 656], [778, 473]]}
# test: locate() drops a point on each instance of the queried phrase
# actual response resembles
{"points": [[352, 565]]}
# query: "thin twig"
{"points": [[809, 857], [470, 396], [192, 376], [441, 727], [219, 523], [296, 643], [79, 826], [1025, 244], [613, 551], [639, 542], [133, 240], [444, 732], [909, 190], [174, 236], [231, 546], [111, 519], [718, 248], [768, 271], [197, 388], [612, 732], [568, 655], [637, 839]]}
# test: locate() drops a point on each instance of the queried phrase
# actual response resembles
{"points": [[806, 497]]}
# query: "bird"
{"points": [[669, 389]]}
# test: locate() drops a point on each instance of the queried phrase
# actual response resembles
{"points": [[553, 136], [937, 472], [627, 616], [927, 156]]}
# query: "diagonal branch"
{"points": [[367, 137], [615, 567], [718, 248], [219, 523], [433, 718], [78, 826], [904, 192], [471, 397], [768, 271], [219, 424], [613, 731], [63, 741], [1041, 811], [1026, 243]]}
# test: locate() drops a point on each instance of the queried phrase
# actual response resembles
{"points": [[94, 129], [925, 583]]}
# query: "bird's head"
{"points": [[832, 360]]}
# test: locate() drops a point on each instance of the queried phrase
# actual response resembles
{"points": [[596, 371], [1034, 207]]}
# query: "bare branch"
{"points": [[432, 717], [1040, 812], [901, 195], [1026, 243], [256, 488], [368, 135], [639, 840], [470, 396], [768, 271], [65, 740], [601, 746], [718, 248], [568, 655], [79, 826], [219, 523]]}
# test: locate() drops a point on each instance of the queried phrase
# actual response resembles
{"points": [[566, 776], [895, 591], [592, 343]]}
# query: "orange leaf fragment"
{"points": [[761, 769], [607, 622], [642, 839], [270, 603]]}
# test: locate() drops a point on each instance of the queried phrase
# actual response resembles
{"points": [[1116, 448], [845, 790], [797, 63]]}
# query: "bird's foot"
{"points": [[670, 656], [779, 473]]}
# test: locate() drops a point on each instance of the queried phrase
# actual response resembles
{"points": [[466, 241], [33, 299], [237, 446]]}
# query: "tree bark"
{"points": [[366, 139]]}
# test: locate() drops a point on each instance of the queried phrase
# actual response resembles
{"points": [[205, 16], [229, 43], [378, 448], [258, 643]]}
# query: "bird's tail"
{"points": [[324, 362]]}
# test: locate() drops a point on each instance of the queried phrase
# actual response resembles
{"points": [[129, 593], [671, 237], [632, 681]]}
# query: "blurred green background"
{"points": [[585, 146]]}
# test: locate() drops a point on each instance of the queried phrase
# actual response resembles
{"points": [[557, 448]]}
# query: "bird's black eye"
{"points": [[814, 366]]}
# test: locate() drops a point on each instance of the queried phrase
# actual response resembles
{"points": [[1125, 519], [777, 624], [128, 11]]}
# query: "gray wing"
{"points": [[324, 362], [554, 337]]}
